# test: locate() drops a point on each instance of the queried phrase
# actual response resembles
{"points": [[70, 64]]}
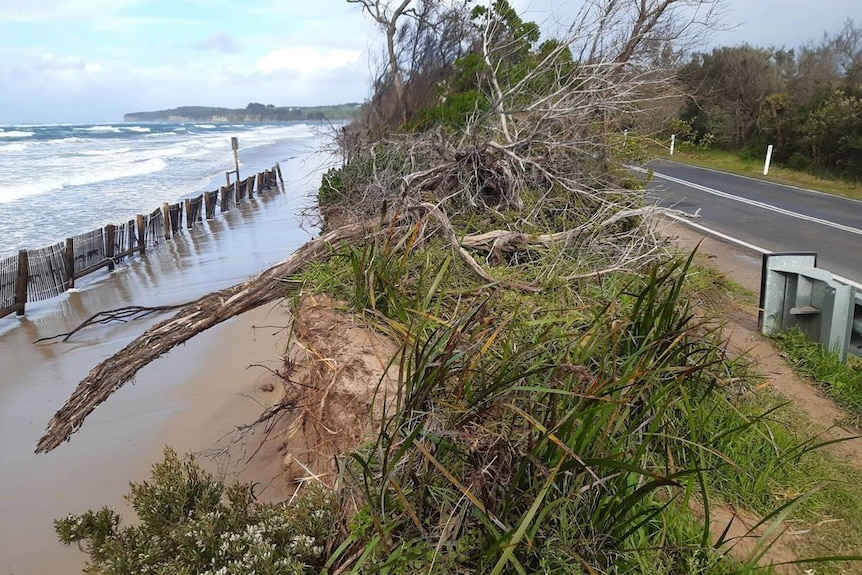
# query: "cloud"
{"points": [[52, 62], [126, 24], [305, 59], [51, 10], [92, 60], [218, 41]]}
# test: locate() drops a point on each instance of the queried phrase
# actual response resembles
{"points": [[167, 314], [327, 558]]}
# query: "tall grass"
{"points": [[549, 442]]}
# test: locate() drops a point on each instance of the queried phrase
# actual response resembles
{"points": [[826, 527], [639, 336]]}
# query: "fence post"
{"points": [[237, 188], [131, 237], [166, 213], [227, 178], [226, 192], [249, 186], [259, 182], [110, 241], [278, 170], [207, 205], [70, 263], [22, 281], [142, 234], [189, 222]]}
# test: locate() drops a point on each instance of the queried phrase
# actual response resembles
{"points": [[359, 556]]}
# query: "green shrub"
{"points": [[331, 186], [453, 111], [191, 522]]}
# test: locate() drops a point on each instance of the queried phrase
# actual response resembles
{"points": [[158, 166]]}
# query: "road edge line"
{"points": [[744, 244], [754, 179]]}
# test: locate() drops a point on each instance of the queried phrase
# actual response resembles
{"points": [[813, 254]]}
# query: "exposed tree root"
{"points": [[121, 314], [196, 317]]}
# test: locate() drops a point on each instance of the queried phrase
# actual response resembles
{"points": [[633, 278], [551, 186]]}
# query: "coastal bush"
{"points": [[191, 522]]}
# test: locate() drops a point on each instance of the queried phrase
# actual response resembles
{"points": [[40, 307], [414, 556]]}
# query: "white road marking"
{"points": [[755, 203], [718, 234], [747, 245], [762, 181]]}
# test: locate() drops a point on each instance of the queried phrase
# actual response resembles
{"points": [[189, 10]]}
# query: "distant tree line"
{"points": [[807, 102], [254, 112]]}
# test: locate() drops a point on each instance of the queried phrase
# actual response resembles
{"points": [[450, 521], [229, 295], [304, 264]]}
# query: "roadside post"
{"points": [[672, 142], [768, 159], [234, 144]]}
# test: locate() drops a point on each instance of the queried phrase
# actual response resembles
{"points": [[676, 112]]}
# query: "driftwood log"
{"points": [[196, 317]]}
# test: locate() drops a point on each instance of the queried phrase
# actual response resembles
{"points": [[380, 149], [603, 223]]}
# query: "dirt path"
{"points": [[744, 268]]}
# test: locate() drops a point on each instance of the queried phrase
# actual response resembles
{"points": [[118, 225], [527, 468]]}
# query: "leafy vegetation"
{"points": [[807, 102], [190, 522]]}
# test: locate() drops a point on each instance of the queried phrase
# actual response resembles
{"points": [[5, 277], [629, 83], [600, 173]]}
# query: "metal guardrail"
{"points": [[794, 292], [856, 330]]}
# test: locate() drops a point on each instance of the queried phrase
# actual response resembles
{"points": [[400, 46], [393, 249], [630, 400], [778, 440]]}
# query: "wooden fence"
{"points": [[44, 273]]}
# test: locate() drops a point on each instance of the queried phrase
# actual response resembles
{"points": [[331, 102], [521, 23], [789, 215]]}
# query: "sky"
{"points": [[94, 60]]}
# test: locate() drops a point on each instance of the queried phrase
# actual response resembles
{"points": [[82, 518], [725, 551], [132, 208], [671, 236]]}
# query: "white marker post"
{"points": [[768, 159], [672, 142]]}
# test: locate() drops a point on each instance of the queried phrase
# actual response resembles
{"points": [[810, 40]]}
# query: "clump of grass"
{"points": [[535, 439], [841, 381], [568, 432]]}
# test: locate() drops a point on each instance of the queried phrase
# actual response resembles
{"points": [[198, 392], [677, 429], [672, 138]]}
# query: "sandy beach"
{"points": [[190, 398]]}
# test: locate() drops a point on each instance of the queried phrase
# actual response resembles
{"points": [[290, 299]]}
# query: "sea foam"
{"points": [[112, 129], [16, 134], [16, 147]]}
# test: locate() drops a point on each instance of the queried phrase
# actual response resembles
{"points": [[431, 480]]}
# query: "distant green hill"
{"points": [[251, 113]]}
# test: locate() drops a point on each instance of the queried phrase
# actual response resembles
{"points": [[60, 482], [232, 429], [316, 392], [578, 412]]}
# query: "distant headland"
{"points": [[252, 113]]}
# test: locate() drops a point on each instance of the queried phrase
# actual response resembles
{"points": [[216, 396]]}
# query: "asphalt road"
{"points": [[772, 216]]}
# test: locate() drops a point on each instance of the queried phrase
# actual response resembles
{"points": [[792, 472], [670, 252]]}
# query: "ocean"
{"points": [[61, 180]]}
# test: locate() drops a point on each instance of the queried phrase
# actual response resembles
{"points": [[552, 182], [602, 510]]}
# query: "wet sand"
{"points": [[189, 398]]}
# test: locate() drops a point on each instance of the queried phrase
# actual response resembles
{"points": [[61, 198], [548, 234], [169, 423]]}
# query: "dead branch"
{"points": [[441, 217], [120, 314], [498, 241], [196, 317]]}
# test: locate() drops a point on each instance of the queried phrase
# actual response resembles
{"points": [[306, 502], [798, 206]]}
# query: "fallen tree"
{"points": [[196, 317], [214, 308]]}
